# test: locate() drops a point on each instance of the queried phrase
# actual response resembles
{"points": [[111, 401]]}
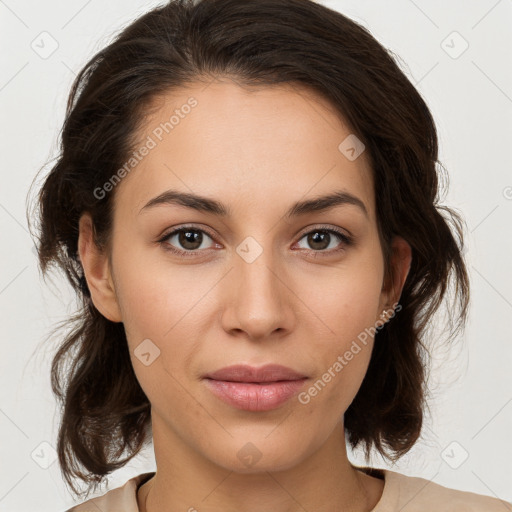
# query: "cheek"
{"points": [[154, 296], [342, 342], [153, 308], [345, 300], [343, 360]]}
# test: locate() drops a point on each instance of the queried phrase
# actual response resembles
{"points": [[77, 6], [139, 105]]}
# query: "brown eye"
{"points": [[185, 240], [319, 240]]}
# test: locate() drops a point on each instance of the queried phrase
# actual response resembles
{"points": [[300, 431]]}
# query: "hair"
{"points": [[104, 411]]}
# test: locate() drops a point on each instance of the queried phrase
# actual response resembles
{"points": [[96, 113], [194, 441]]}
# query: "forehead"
{"points": [[261, 146]]}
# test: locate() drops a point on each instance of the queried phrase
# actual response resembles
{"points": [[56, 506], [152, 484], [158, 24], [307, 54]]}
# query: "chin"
{"points": [[251, 455]]}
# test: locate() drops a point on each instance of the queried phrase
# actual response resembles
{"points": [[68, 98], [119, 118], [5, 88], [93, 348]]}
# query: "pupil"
{"points": [[319, 238], [185, 241]]}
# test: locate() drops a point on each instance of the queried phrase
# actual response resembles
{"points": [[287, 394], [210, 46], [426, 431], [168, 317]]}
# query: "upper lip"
{"points": [[246, 373]]}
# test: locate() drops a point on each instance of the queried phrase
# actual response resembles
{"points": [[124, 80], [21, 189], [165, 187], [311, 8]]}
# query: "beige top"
{"points": [[401, 493]]}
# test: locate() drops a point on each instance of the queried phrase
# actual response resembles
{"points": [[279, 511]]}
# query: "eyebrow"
{"points": [[205, 204]]}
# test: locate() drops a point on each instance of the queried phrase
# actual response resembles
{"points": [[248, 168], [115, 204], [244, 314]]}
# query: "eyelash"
{"points": [[346, 241]]}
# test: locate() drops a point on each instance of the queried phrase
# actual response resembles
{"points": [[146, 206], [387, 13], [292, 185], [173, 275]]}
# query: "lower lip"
{"points": [[251, 396]]}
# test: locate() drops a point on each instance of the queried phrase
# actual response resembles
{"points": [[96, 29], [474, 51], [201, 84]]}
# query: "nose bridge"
{"points": [[255, 268], [260, 296]]}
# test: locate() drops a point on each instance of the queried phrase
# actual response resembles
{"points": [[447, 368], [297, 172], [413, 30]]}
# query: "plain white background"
{"points": [[469, 91]]}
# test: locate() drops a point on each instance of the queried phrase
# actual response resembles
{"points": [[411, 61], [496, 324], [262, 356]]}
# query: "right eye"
{"points": [[188, 238]]}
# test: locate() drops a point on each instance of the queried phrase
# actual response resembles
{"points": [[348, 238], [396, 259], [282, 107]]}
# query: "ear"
{"points": [[401, 257], [96, 268]]}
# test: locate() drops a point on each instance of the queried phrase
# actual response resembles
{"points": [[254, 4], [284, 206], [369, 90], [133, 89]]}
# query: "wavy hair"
{"points": [[105, 415]]}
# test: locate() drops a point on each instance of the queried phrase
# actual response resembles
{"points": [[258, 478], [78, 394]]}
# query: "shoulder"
{"points": [[416, 494], [120, 499]]}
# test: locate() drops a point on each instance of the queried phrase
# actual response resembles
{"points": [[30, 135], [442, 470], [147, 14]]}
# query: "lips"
{"points": [[245, 373], [255, 389]]}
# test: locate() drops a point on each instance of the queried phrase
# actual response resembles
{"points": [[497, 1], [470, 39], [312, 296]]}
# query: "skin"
{"points": [[257, 151]]}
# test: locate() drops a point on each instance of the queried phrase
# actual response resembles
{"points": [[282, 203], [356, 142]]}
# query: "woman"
{"points": [[246, 202]]}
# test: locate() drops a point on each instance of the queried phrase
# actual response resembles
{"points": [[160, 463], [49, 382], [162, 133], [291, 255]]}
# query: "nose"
{"points": [[259, 300]]}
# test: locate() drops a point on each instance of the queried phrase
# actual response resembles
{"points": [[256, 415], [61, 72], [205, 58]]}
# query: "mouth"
{"points": [[252, 374], [255, 389]]}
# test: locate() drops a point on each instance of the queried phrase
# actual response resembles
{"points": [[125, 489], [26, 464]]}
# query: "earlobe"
{"points": [[97, 271]]}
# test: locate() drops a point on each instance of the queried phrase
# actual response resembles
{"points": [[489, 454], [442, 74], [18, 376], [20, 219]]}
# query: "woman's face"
{"points": [[261, 282]]}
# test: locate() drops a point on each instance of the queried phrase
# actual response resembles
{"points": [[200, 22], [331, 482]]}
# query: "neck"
{"points": [[322, 481]]}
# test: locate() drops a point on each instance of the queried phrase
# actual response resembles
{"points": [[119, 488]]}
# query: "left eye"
{"points": [[319, 239]]}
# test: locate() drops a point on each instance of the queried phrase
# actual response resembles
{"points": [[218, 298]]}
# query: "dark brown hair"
{"points": [[105, 413]]}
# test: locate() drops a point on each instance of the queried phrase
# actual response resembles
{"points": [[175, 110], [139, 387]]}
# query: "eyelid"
{"points": [[325, 227], [197, 227]]}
